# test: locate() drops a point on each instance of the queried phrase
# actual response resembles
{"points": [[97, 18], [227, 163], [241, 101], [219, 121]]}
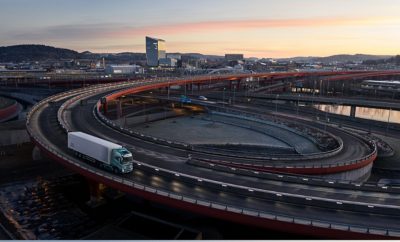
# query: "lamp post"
{"points": [[343, 89], [223, 98], [234, 94], [168, 89], [327, 88], [326, 118], [320, 87], [185, 88], [145, 113], [298, 100]]}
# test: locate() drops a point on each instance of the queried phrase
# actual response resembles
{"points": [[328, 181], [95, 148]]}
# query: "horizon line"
{"points": [[219, 55]]}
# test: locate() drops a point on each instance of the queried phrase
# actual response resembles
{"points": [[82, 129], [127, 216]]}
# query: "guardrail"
{"points": [[371, 144], [220, 206], [261, 119], [345, 165]]}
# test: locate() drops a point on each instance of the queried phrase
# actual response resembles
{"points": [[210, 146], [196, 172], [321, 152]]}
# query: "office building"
{"points": [[155, 50]]}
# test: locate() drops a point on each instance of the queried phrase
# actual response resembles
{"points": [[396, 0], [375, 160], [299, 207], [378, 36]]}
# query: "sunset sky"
{"points": [[259, 28]]}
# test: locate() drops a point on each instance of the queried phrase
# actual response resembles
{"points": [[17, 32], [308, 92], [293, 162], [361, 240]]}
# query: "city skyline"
{"points": [[255, 28]]}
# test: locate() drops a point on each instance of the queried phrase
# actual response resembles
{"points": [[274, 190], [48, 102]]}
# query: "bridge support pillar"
{"points": [[119, 109], [238, 84], [95, 190], [36, 154], [198, 87], [353, 111], [105, 106]]}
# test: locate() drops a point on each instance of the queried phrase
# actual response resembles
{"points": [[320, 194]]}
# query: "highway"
{"points": [[330, 100], [169, 179]]}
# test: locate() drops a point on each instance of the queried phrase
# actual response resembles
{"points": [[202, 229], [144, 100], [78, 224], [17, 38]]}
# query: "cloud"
{"points": [[67, 32], [120, 31], [236, 25], [123, 37]]}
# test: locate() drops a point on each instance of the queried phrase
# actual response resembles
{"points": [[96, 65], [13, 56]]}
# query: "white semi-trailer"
{"points": [[101, 152]]}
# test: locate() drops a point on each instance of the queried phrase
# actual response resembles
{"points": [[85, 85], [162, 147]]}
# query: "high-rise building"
{"points": [[155, 50]]}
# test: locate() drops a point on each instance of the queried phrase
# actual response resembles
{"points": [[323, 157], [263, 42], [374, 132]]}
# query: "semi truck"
{"points": [[101, 152]]}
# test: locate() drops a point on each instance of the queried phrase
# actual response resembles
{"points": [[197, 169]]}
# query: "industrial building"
{"points": [[124, 69], [155, 50], [234, 57], [174, 56]]}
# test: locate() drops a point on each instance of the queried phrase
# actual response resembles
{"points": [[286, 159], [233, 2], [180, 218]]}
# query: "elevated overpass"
{"points": [[330, 100], [335, 209]]}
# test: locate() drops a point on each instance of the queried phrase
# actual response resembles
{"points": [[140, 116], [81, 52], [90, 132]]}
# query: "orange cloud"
{"points": [[214, 26]]}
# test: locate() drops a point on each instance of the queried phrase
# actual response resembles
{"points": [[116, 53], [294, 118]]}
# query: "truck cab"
{"points": [[185, 99], [122, 160]]}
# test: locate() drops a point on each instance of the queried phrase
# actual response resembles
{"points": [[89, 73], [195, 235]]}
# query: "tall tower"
{"points": [[155, 50]]}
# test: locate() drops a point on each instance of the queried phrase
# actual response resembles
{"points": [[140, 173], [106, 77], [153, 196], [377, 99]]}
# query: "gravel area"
{"points": [[198, 131]]}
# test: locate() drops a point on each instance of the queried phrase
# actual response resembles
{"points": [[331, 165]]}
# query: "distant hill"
{"points": [[339, 58], [20, 53], [393, 60], [124, 57], [29, 53]]}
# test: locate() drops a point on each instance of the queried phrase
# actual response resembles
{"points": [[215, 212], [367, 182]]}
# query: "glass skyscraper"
{"points": [[155, 50]]}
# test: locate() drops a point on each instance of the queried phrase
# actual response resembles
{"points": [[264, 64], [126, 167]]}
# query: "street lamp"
{"points": [[343, 89], [320, 87], [168, 89], [223, 98], [234, 94], [326, 117], [298, 100], [144, 112], [327, 89]]}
